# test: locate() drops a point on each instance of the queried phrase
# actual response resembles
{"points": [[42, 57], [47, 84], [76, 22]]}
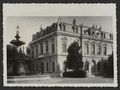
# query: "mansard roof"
{"points": [[45, 31], [67, 27]]}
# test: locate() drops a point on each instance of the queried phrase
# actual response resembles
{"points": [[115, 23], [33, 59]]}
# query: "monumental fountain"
{"points": [[18, 62]]}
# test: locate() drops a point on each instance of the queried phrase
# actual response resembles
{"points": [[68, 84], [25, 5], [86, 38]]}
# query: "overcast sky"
{"points": [[29, 17], [31, 25]]}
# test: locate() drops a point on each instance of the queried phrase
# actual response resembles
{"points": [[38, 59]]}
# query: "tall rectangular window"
{"points": [[111, 37], [92, 49], [46, 47], [86, 48], [64, 46], [105, 50], [53, 47], [99, 50], [36, 51], [32, 53], [41, 45]]}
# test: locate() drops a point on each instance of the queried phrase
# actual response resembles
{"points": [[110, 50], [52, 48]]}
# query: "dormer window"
{"points": [[89, 31], [111, 37], [73, 29], [77, 30], [60, 25], [37, 35], [44, 32], [47, 46], [54, 26], [104, 36], [63, 27]]}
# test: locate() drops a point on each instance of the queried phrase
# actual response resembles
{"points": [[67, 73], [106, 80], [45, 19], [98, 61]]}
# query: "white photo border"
{"points": [[61, 10]]}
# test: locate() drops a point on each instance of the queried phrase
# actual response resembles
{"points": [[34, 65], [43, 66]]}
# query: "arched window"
{"points": [[42, 67], [98, 66], [47, 66], [86, 65], [53, 66]]}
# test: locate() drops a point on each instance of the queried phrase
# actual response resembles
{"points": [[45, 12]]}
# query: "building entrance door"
{"points": [[93, 68]]}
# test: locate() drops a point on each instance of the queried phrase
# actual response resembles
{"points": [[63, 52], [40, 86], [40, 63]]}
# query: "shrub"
{"points": [[75, 74], [74, 57], [108, 69]]}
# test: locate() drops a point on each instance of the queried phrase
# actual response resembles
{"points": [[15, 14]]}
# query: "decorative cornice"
{"points": [[71, 34], [64, 33], [97, 39], [41, 38], [45, 56]]}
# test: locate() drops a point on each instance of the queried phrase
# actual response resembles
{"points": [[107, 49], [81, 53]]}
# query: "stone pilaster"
{"points": [[39, 49]]}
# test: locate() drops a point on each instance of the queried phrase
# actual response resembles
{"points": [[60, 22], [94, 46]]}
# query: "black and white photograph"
{"points": [[64, 45]]}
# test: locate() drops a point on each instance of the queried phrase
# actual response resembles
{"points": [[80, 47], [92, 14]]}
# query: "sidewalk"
{"points": [[24, 78], [47, 79], [30, 76]]}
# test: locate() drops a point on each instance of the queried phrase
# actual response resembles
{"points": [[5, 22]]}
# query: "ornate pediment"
{"points": [[63, 38]]}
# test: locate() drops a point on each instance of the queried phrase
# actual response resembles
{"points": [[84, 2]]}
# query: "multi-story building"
{"points": [[49, 46]]}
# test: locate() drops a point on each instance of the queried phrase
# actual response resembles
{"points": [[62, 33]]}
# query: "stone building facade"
{"points": [[48, 48]]}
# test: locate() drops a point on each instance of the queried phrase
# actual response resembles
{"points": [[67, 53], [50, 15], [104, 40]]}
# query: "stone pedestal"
{"points": [[21, 69]]}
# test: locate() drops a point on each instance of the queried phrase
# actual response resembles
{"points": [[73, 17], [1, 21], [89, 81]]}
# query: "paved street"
{"points": [[47, 79]]}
